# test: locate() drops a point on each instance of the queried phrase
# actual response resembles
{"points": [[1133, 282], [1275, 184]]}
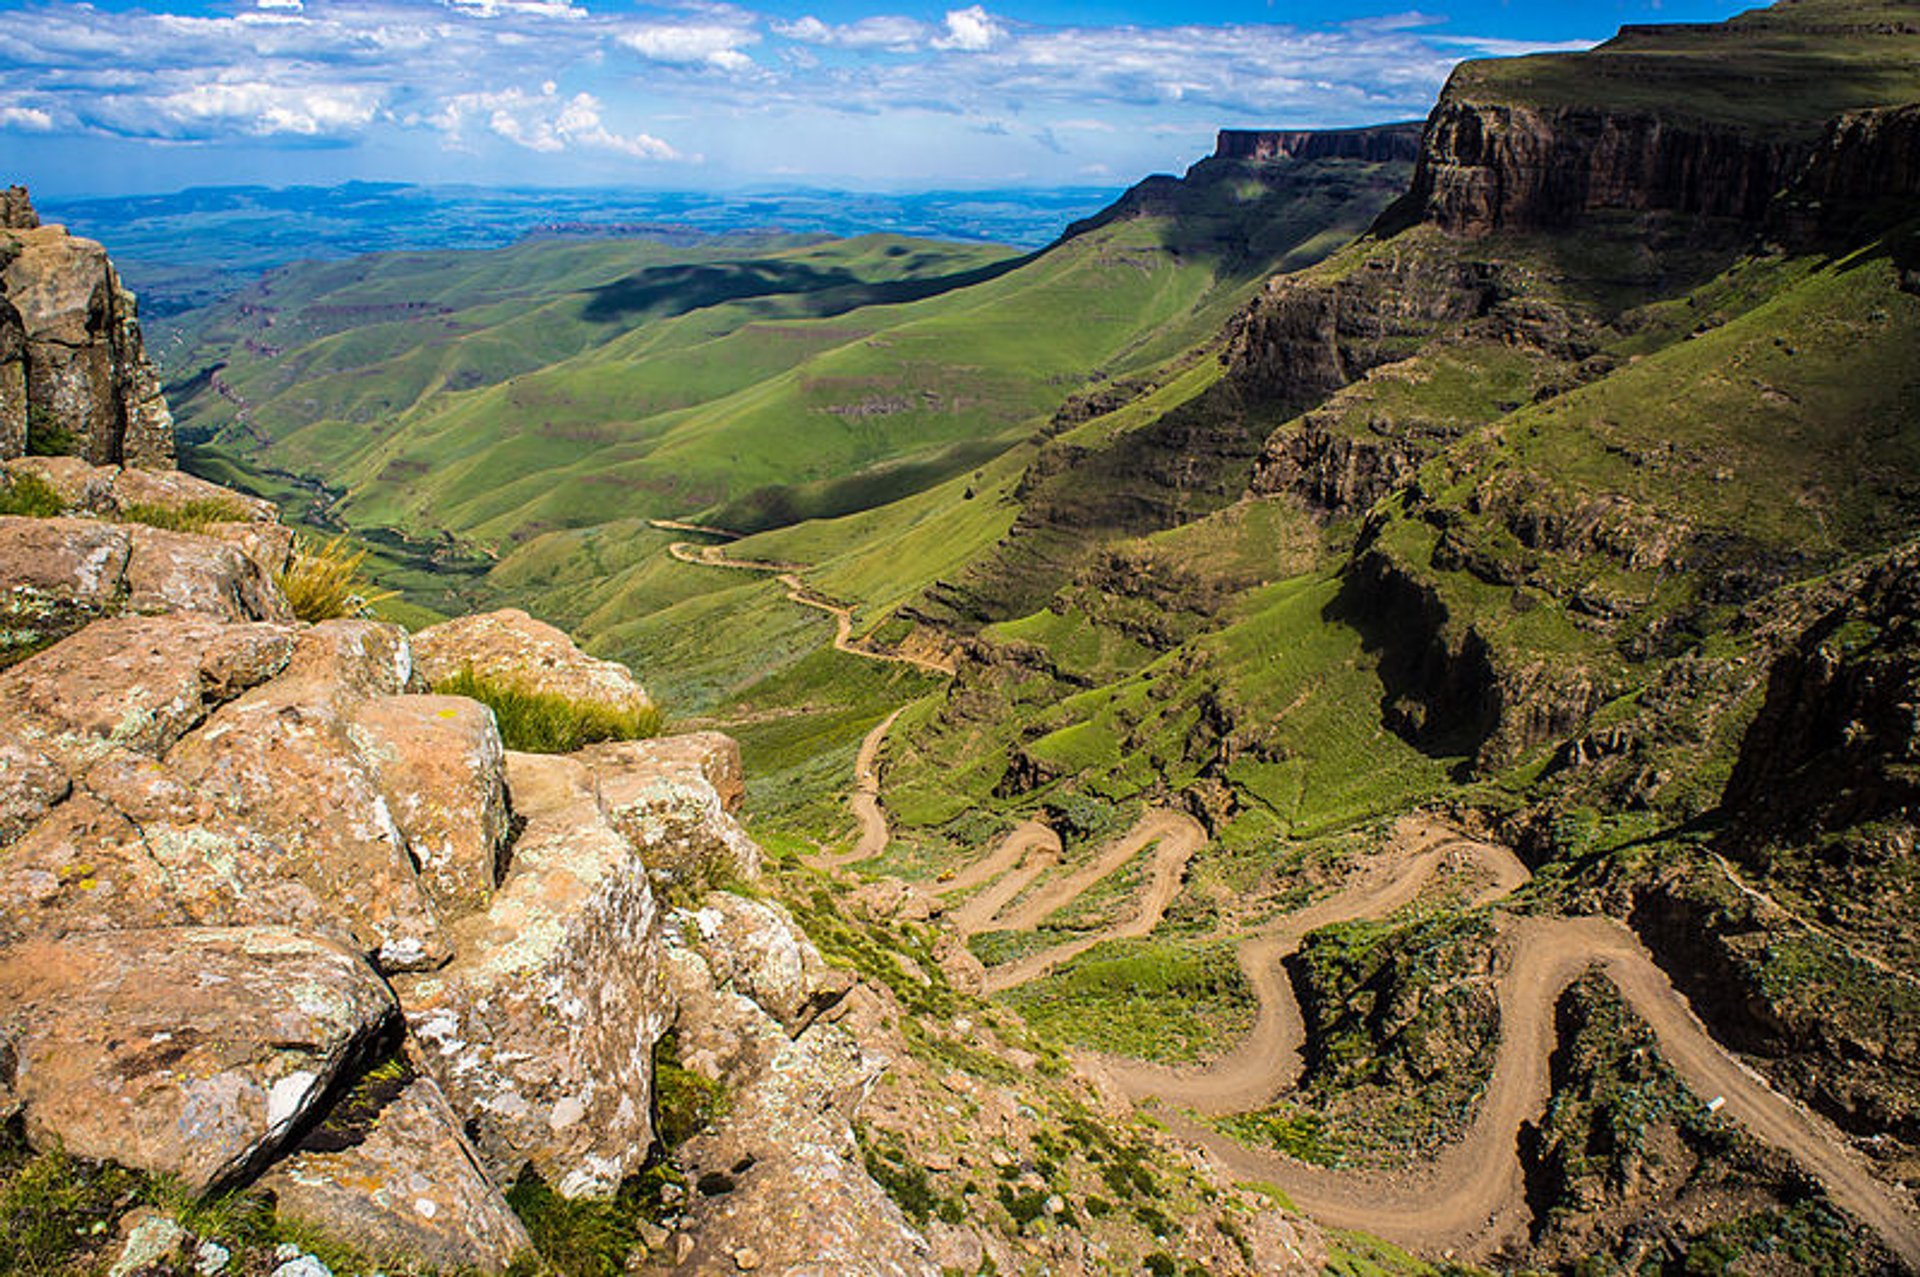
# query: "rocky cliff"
{"points": [[1377, 144], [74, 375]]}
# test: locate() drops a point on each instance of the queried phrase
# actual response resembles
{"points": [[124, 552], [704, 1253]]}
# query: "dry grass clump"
{"points": [[324, 581], [536, 722]]}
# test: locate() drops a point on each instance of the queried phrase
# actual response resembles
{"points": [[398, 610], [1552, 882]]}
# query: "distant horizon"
{"points": [[124, 97]]}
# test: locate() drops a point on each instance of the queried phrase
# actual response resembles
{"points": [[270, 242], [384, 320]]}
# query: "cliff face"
{"points": [[1378, 144], [1488, 167], [72, 362]]}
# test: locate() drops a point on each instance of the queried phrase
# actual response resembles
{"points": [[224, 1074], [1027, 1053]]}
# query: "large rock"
{"points": [[117, 491], [30, 785], [439, 765], [401, 1185], [673, 799], [57, 574], [753, 948], [779, 1177], [85, 361], [282, 761], [542, 1028], [512, 647], [85, 867], [183, 1051]]}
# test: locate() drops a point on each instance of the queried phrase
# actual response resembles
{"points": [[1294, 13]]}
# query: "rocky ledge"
{"points": [[273, 914]]}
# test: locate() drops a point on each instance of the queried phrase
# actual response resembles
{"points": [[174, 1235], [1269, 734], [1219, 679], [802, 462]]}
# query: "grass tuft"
{"points": [[536, 722], [325, 581], [27, 493], [190, 516]]}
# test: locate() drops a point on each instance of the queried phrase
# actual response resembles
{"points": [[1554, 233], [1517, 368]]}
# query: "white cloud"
{"points": [[264, 109], [882, 31], [27, 119], [710, 44], [545, 122], [526, 8], [280, 6], [971, 29]]}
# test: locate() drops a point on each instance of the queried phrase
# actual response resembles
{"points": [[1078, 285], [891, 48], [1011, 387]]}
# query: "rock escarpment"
{"points": [[74, 374], [273, 912], [1377, 144]]}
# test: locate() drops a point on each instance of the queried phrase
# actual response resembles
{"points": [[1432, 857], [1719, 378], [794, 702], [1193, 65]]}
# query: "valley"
{"points": [[1358, 711]]}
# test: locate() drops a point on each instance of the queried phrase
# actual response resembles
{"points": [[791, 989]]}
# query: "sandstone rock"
{"points": [[57, 574], [115, 490], [270, 545], [512, 647], [182, 1051], [407, 1189], [542, 1029], [671, 798], [137, 682], [83, 868], [281, 761], [30, 785], [753, 948], [86, 363], [780, 1174], [438, 763]]}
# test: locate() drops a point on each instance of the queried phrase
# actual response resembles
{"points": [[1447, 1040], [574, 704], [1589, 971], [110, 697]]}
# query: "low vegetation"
{"points": [[537, 722], [189, 516], [28, 494], [326, 581], [1147, 999]]}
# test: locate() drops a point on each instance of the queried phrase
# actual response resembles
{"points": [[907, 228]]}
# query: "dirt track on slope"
{"points": [[788, 574], [865, 801], [1470, 1200]]}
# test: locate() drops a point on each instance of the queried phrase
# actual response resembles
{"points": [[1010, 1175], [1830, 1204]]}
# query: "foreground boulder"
{"points": [[182, 1051], [396, 1180], [780, 1185], [511, 647], [674, 798], [542, 1029]]}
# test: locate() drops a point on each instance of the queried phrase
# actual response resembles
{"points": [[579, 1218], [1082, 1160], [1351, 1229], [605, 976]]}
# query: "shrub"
{"points": [[27, 493], [190, 516], [46, 437], [537, 722], [324, 581]]}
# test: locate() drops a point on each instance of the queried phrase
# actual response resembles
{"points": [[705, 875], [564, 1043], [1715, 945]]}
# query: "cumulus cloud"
{"points": [[26, 119], [263, 109], [971, 29], [283, 6], [545, 121], [711, 44]]}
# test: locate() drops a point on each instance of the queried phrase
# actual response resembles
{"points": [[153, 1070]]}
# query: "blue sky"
{"points": [[113, 96]]}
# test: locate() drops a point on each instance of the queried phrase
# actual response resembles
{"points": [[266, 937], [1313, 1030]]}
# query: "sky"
{"points": [[114, 97]]}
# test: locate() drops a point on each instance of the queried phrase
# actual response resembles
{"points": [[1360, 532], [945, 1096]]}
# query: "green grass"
{"points": [[1297, 1132], [538, 722], [325, 580], [28, 494], [189, 516], [1147, 999]]}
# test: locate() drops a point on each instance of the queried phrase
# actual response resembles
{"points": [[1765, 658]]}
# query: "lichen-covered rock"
{"points": [[512, 647], [86, 364], [30, 784], [672, 799], [281, 760], [542, 1029], [58, 574], [137, 682], [780, 1176], [439, 764], [753, 948], [181, 1051], [405, 1188], [85, 867], [116, 491]]}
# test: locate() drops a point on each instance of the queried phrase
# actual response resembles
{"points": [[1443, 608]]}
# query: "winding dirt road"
{"points": [[865, 801], [788, 574], [1471, 1199]]}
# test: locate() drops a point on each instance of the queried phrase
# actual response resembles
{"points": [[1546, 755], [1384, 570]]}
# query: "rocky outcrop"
{"points": [[188, 1051], [542, 1028], [1862, 178], [73, 364], [779, 1182], [392, 1176], [1504, 166], [511, 647], [1376, 144]]}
